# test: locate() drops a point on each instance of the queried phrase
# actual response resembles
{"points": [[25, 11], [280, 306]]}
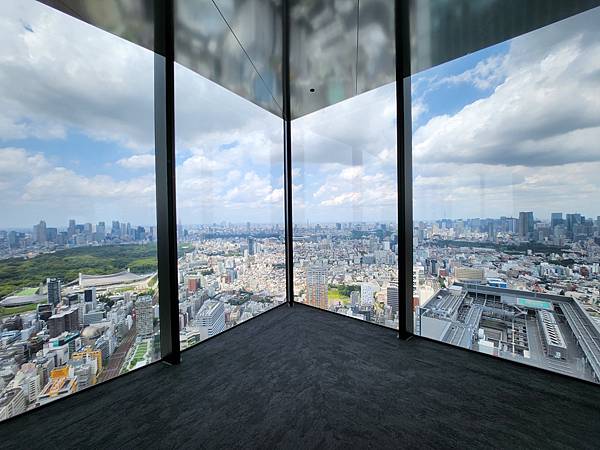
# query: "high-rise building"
{"points": [[556, 219], [211, 318], [525, 224], [71, 229], [66, 320], [115, 230], [40, 234], [251, 246], [54, 289], [572, 220], [89, 296], [316, 286], [367, 293], [143, 316], [100, 231], [51, 234], [392, 297]]}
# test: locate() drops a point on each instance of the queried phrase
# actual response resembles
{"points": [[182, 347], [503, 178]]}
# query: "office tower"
{"points": [[140, 233], [211, 318], [572, 220], [72, 319], [87, 228], [316, 286], [71, 229], [63, 321], [491, 231], [12, 239], [367, 293], [556, 219], [54, 290], [525, 224], [51, 234], [251, 246], [89, 296], [512, 225], [115, 229], [39, 232], [143, 316], [56, 325], [100, 231], [392, 297]]}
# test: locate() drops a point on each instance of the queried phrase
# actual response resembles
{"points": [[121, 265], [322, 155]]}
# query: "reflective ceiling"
{"points": [[338, 48]]}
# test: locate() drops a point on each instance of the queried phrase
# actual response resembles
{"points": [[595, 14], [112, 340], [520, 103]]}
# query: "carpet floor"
{"points": [[301, 378]]}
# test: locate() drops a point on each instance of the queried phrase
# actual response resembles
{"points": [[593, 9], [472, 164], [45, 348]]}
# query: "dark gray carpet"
{"points": [[301, 378]]}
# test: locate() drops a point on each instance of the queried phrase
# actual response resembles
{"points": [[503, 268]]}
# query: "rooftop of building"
{"points": [[457, 314]]}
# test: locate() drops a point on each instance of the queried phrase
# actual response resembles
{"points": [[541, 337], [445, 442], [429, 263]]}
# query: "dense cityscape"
{"points": [[66, 335], [60, 336], [493, 285], [521, 288]]}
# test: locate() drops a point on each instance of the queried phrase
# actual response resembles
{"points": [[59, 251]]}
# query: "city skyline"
{"points": [[300, 224]]}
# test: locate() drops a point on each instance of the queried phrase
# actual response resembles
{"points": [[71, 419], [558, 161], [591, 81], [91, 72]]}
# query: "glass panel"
{"points": [[78, 279], [229, 207], [506, 188], [345, 208], [204, 42]]}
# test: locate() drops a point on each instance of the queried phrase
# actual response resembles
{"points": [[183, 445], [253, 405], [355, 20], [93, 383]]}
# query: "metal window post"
{"points": [[287, 155], [404, 148], [164, 132]]}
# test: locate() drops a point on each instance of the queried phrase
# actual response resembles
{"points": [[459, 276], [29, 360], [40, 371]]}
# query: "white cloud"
{"points": [[531, 144], [351, 173], [95, 83], [137, 162], [486, 74]]}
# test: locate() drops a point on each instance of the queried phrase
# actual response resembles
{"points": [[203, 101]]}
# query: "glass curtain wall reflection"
{"points": [[506, 187], [345, 207], [78, 297], [229, 207]]}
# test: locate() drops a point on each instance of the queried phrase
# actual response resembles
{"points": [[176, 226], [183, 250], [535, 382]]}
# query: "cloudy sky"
{"points": [[514, 127]]}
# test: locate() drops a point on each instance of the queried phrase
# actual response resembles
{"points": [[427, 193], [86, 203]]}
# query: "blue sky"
{"points": [[505, 129], [450, 98], [512, 127]]}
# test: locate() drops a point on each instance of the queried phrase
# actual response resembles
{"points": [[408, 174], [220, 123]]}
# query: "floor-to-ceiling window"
{"points": [[229, 154], [505, 180], [345, 207], [229, 207], [78, 283]]}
